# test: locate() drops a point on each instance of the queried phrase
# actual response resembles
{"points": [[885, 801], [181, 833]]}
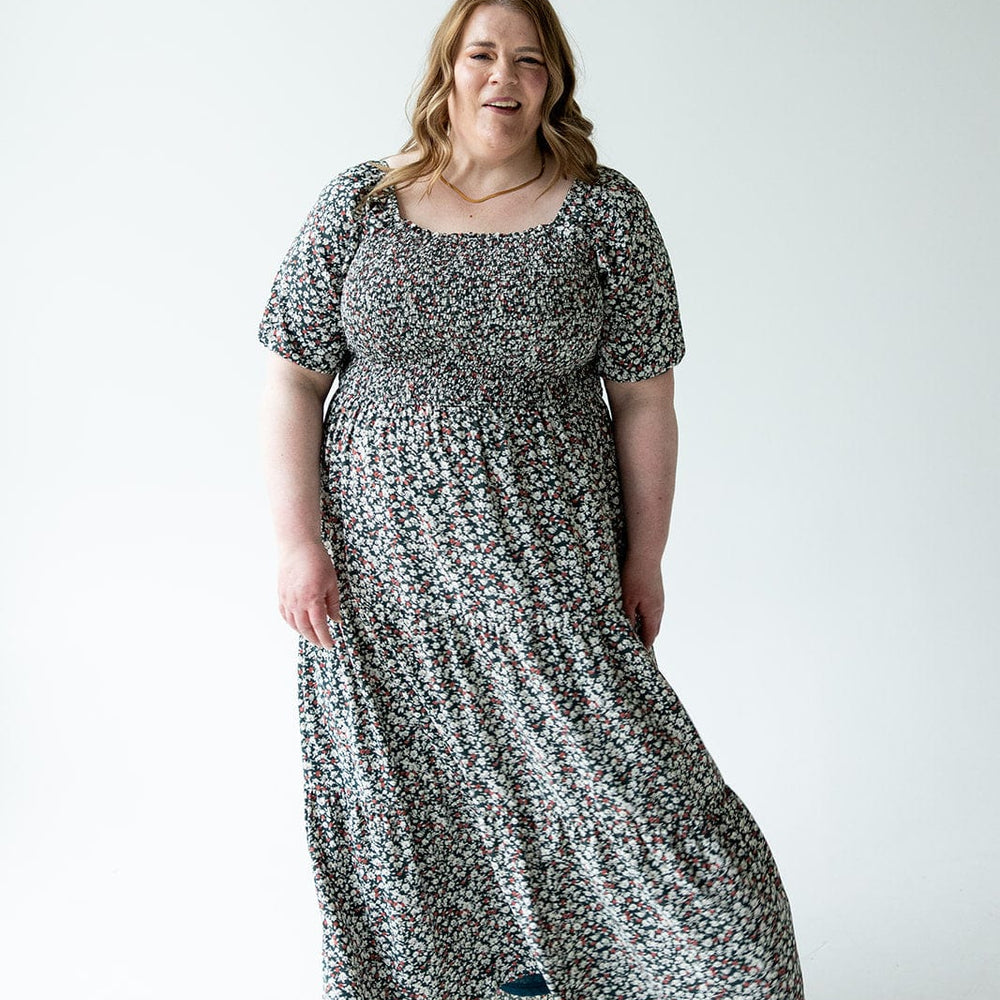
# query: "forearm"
{"points": [[292, 434], [646, 444]]}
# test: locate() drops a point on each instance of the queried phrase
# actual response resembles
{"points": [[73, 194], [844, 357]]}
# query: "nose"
{"points": [[504, 70]]}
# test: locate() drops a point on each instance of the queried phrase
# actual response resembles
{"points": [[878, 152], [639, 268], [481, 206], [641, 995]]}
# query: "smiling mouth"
{"points": [[504, 105]]}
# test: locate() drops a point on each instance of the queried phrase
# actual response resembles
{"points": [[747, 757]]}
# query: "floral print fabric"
{"points": [[499, 781]]}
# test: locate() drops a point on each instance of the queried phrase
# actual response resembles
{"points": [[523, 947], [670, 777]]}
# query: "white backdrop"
{"points": [[825, 178]]}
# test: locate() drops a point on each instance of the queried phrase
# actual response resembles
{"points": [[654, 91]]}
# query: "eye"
{"points": [[480, 55], [533, 61]]}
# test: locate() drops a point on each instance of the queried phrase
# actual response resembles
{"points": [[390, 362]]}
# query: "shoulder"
{"points": [[611, 179], [342, 196], [402, 159], [620, 222], [614, 194]]}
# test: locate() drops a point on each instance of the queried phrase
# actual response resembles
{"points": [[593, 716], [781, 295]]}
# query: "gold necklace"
{"points": [[479, 201]]}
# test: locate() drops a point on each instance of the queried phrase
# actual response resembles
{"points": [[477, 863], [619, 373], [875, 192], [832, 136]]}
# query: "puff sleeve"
{"points": [[302, 319], [641, 333]]}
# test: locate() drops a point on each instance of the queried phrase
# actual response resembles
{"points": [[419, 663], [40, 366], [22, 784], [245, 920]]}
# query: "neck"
{"points": [[487, 171]]}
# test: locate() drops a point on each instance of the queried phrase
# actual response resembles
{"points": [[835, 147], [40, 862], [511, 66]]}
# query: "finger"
{"points": [[288, 617], [651, 627], [304, 627], [317, 619]]}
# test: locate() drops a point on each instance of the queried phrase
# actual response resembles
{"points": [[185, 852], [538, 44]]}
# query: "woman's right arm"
{"points": [[292, 433]]}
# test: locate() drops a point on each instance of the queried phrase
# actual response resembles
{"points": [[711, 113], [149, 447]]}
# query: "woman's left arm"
{"points": [[645, 430]]}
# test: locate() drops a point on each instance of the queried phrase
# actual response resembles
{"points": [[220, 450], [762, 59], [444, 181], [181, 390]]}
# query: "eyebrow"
{"points": [[492, 45]]}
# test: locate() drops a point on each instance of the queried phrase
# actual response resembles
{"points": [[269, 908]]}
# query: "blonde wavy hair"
{"points": [[564, 133]]}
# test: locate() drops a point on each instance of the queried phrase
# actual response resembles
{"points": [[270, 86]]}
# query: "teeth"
{"points": [[504, 104]]}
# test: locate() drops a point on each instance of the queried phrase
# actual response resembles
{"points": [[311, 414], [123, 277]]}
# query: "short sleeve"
{"points": [[302, 320], [641, 333]]}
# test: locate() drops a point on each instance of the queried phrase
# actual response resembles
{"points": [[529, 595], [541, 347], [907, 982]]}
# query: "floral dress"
{"points": [[503, 793]]}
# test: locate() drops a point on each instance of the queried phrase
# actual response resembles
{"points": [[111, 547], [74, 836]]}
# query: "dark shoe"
{"points": [[531, 985]]}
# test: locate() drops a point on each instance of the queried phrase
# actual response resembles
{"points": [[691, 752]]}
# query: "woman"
{"points": [[502, 790]]}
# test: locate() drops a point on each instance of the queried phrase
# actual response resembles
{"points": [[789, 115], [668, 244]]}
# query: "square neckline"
{"points": [[416, 227]]}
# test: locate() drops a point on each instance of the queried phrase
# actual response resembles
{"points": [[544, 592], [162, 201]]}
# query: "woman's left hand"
{"points": [[642, 598]]}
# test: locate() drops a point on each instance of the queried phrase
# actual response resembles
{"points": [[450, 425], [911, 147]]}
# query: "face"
{"points": [[499, 58]]}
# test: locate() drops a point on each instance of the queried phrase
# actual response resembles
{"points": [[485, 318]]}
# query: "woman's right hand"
{"points": [[308, 592]]}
